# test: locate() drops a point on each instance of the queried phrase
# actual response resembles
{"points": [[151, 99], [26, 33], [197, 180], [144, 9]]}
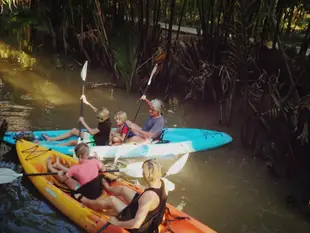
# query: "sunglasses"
{"points": [[98, 117]]}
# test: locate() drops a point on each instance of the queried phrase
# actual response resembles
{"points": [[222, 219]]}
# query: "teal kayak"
{"points": [[174, 141]]}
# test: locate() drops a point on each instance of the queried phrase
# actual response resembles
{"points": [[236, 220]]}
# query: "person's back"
{"points": [[85, 171], [154, 217], [104, 126], [145, 211]]}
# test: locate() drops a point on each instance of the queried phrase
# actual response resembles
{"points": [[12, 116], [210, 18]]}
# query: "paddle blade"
{"points": [[152, 74], [178, 165], [7, 175], [84, 71], [168, 184], [133, 170]]}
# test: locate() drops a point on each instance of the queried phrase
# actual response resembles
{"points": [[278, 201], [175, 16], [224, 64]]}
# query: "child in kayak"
{"points": [[145, 211], [118, 136], [99, 136], [152, 127], [86, 173]]}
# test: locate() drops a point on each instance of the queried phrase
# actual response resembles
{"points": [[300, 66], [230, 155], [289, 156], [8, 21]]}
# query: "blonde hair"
{"points": [[81, 150], [151, 170], [103, 114], [122, 116]]}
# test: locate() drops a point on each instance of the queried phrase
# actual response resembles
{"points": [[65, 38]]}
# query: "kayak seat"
{"points": [[39, 167], [159, 138], [3, 129], [28, 136]]}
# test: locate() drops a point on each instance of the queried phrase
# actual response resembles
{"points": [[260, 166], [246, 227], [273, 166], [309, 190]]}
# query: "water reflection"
{"points": [[8, 54], [24, 209], [225, 188], [16, 72]]}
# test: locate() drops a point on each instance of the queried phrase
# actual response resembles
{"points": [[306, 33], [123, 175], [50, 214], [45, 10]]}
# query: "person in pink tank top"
{"points": [[86, 171]]}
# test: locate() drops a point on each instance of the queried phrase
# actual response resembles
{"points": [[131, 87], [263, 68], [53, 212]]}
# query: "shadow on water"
{"points": [[24, 209]]}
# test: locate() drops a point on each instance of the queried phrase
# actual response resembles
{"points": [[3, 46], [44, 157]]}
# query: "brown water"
{"points": [[225, 189]]}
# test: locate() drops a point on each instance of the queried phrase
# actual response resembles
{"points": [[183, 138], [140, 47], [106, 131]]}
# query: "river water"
{"points": [[226, 188]]}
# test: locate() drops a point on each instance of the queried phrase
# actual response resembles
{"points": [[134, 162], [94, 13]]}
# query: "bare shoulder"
{"points": [[149, 196]]}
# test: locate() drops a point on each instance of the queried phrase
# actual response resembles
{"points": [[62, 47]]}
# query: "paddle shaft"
{"points": [[147, 87], [56, 173], [40, 174], [81, 110], [134, 119]]}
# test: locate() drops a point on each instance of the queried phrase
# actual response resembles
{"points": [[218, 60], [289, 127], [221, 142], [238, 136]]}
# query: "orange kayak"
{"points": [[33, 159]]}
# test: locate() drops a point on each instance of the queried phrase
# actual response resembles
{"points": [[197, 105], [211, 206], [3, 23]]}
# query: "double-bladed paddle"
{"points": [[174, 169], [8, 175]]}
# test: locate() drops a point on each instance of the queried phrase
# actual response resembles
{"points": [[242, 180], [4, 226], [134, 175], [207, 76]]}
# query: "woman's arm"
{"points": [[145, 204]]}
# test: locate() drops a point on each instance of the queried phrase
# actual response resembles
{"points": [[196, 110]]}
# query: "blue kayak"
{"points": [[174, 141]]}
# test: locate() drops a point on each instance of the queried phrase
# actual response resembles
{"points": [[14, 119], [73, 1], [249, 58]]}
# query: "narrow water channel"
{"points": [[226, 188]]}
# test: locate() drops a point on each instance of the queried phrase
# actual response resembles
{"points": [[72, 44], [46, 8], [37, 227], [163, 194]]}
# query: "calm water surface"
{"points": [[225, 189]]}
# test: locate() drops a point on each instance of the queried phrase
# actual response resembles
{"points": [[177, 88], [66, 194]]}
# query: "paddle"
{"points": [[118, 155], [83, 76], [7, 175], [174, 169], [147, 86]]}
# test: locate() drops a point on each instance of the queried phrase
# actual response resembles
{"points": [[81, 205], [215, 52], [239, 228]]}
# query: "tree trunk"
{"points": [[180, 21], [168, 55], [114, 13], [202, 20], [147, 16], [277, 29], [211, 41], [305, 44], [141, 14], [290, 19]]}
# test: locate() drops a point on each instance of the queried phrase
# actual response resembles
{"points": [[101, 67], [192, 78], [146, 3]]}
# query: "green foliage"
{"points": [[124, 49]]}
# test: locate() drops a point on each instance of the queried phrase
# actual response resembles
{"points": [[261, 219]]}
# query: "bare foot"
{"points": [[57, 164], [77, 196], [49, 163], [49, 160], [47, 138], [110, 212], [104, 182]]}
